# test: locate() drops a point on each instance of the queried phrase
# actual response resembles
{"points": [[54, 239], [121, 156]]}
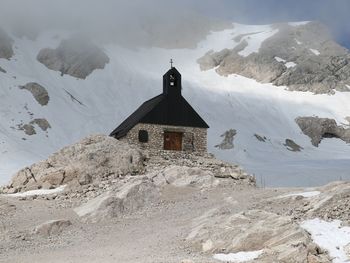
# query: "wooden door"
{"points": [[173, 141]]}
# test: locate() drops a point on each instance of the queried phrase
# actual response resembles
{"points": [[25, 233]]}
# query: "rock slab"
{"points": [[53, 227]]}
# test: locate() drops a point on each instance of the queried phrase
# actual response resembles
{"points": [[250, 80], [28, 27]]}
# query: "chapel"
{"points": [[165, 122]]}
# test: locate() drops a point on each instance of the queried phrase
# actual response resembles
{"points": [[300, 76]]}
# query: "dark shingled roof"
{"points": [[135, 118], [168, 108]]}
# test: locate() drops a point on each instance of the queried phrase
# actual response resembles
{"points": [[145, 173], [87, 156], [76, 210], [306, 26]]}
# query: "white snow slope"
{"points": [[135, 75]]}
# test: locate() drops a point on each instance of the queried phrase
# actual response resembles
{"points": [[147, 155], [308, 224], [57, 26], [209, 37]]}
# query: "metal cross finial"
{"points": [[171, 62]]}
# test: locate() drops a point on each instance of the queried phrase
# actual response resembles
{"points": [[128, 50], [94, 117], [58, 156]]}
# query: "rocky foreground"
{"points": [[102, 200]]}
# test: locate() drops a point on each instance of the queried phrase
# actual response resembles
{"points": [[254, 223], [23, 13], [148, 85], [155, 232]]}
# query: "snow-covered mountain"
{"points": [[55, 89]]}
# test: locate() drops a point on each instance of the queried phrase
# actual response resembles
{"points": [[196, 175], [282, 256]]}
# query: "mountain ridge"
{"points": [[107, 96]]}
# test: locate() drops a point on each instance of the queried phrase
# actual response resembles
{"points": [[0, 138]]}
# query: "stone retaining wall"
{"points": [[193, 140]]}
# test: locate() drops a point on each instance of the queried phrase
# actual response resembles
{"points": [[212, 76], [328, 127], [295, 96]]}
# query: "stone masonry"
{"points": [[193, 140]]}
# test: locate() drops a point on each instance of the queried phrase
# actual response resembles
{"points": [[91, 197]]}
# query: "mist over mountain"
{"points": [[110, 17]]}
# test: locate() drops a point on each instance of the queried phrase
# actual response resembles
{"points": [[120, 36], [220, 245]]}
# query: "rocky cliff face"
{"points": [[302, 57], [319, 128]]}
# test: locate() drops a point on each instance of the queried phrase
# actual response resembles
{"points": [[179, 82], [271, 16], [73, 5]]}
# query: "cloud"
{"points": [[109, 15]]}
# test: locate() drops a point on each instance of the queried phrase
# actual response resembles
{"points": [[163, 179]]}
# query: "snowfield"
{"points": [[238, 257], [303, 194], [330, 236], [301, 23], [108, 96], [315, 51], [38, 192]]}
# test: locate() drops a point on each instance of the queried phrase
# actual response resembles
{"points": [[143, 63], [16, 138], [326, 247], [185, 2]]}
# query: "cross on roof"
{"points": [[171, 62]]}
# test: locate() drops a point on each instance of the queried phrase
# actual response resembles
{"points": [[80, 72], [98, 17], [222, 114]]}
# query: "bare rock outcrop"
{"points": [[303, 58], [132, 196], [329, 202], [279, 238], [164, 165], [181, 176], [333, 203], [260, 138], [29, 128], [39, 92], [292, 146], [53, 227], [91, 160], [319, 128], [76, 57], [227, 142], [6, 43]]}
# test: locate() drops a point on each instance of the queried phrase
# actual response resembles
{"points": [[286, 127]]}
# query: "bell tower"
{"points": [[172, 82]]}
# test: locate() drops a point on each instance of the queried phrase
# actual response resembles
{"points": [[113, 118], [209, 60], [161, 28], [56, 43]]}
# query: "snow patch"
{"points": [[298, 42], [38, 192], [287, 64], [280, 59], [290, 64], [303, 194], [255, 41], [329, 236], [301, 23], [315, 51], [239, 257]]}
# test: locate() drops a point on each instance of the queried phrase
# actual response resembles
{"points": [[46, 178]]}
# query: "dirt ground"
{"points": [[155, 234]]}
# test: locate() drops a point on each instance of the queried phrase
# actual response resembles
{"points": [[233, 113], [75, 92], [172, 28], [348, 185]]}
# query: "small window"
{"points": [[172, 80], [143, 136]]}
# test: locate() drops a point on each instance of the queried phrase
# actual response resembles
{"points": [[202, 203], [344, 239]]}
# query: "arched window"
{"points": [[143, 136]]}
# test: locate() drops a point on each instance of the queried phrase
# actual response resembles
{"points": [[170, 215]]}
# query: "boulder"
{"points": [[132, 196]]}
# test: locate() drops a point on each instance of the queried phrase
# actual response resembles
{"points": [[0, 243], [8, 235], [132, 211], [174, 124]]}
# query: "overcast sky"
{"points": [[333, 13]]}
